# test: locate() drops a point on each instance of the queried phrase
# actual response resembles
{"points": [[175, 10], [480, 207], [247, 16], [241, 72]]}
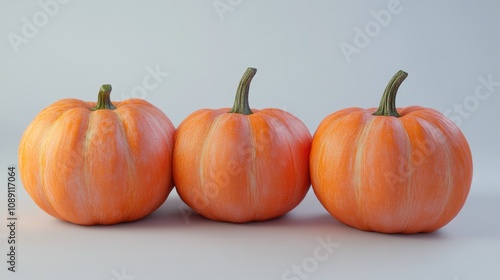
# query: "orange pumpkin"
{"points": [[241, 164], [404, 170], [102, 163]]}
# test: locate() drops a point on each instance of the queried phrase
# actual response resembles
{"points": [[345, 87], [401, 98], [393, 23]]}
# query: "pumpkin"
{"points": [[102, 163], [391, 170], [240, 165]]}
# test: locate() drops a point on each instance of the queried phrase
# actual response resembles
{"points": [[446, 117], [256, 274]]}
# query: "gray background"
{"points": [[445, 46]]}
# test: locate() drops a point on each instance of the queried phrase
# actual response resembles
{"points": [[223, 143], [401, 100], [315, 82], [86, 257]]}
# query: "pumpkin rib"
{"points": [[271, 120], [252, 190], [449, 188], [295, 153], [154, 115], [64, 150], [128, 215], [224, 186], [427, 128], [409, 177], [319, 150], [406, 123], [215, 120], [427, 131], [38, 192], [358, 167], [448, 173], [384, 136], [438, 215], [179, 174], [47, 198], [86, 180], [104, 196], [289, 130], [290, 135]]}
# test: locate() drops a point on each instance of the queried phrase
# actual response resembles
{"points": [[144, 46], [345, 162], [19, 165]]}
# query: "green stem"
{"points": [[103, 99], [387, 105], [241, 100]]}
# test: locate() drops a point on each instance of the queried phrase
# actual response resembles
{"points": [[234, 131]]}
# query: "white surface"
{"points": [[447, 47]]}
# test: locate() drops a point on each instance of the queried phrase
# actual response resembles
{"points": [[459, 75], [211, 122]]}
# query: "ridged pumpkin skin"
{"points": [[238, 168], [389, 174], [98, 167]]}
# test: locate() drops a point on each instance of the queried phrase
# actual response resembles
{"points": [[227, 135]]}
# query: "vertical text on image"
{"points": [[12, 256]]}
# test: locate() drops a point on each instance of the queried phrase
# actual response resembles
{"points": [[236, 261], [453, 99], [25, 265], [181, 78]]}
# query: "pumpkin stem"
{"points": [[387, 105], [241, 100], [103, 99]]}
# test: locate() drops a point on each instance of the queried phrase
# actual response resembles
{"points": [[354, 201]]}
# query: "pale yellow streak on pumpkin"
{"points": [[252, 180], [402, 218], [449, 178], [106, 178], [188, 160], [129, 191], [415, 181], [45, 186], [90, 210], [407, 204], [203, 186], [324, 143], [407, 178], [358, 164], [29, 163], [258, 161], [337, 196], [384, 135], [62, 177]]}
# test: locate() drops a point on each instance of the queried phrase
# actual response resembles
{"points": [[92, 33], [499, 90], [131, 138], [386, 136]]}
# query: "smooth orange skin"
{"points": [[239, 168], [98, 167], [392, 175]]}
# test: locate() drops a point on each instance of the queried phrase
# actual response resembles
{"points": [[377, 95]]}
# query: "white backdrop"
{"points": [[313, 58]]}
